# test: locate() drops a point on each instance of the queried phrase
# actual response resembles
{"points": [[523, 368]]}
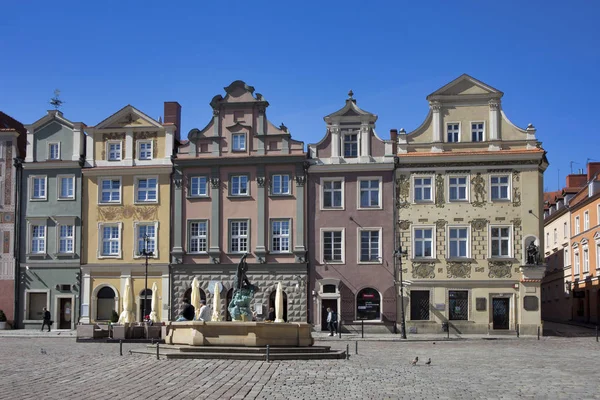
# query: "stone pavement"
{"points": [[51, 368]]}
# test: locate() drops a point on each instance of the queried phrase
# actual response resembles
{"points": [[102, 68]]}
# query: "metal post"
{"points": [[339, 326], [356, 347], [268, 353], [448, 331], [596, 333], [347, 351], [362, 328], [517, 330], [538, 333], [146, 254], [157, 351], [120, 347]]}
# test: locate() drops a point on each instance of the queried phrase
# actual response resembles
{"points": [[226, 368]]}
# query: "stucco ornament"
{"points": [[516, 222], [479, 190], [404, 224], [214, 183], [440, 223], [423, 270], [113, 213], [260, 181], [516, 197], [439, 191], [459, 269], [403, 190], [500, 269], [479, 223]]}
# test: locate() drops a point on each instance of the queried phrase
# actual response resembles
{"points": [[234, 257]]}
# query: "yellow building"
{"points": [[126, 210]]}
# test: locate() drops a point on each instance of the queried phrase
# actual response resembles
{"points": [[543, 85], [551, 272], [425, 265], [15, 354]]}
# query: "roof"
{"points": [[466, 84], [8, 124], [350, 109], [467, 153]]}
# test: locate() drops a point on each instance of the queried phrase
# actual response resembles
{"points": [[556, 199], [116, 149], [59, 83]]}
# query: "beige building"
{"points": [[470, 203]]}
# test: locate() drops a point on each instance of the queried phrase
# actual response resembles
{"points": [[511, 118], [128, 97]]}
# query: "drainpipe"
{"points": [[18, 164]]}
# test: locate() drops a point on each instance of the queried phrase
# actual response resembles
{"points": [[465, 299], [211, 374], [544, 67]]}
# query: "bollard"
{"points": [[596, 333], [356, 347], [347, 351], [268, 353], [395, 327], [517, 330], [362, 328], [157, 351], [448, 331], [120, 347], [538, 333], [339, 326]]}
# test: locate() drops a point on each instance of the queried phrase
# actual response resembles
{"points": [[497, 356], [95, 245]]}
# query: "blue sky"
{"points": [[305, 56]]}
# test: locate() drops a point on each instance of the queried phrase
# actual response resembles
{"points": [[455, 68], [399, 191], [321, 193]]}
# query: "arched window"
{"points": [[105, 304], [145, 297], [272, 303], [329, 288], [368, 304]]}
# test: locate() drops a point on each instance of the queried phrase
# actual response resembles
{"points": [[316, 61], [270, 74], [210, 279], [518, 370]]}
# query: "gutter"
{"points": [[18, 164]]}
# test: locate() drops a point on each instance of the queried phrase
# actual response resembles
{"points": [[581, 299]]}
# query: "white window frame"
{"points": [[379, 193], [577, 225], [41, 222], [597, 255], [239, 186], [59, 179], [422, 187], [238, 237], [458, 186], [60, 237], [111, 190], [566, 257], [139, 150], [586, 259], [565, 230], [555, 235], [598, 214], [576, 262], [198, 178], [101, 226], [27, 306], [273, 236], [356, 142], [457, 132], [243, 147], [586, 220], [477, 131], [137, 180], [342, 245], [379, 231], [342, 189], [197, 237], [510, 241], [50, 144], [508, 189], [108, 151], [281, 178], [32, 180], [547, 239], [414, 242], [468, 241], [137, 248]]}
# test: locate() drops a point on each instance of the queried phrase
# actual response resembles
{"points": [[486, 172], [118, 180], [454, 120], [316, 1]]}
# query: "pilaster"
{"points": [[438, 130], [365, 143], [177, 250], [299, 249], [335, 144], [260, 131], [89, 150], [86, 293], [30, 146], [494, 121], [261, 182], [214, 250], [129, 145], [77, 142], [169, 135], [216, 132]]}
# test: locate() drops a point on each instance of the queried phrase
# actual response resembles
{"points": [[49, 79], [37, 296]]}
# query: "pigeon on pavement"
{"points": [[415, 361], [428, 362]]}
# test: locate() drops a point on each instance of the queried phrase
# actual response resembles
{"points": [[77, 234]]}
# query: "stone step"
{"points": [[331, 355], [240, 349]]}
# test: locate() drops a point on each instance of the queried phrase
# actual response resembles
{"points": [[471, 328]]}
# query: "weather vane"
{"points": [[55, 101]]}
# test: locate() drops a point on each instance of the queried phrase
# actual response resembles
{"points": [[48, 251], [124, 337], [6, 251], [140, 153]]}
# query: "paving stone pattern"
{"points": [[474, 369]]}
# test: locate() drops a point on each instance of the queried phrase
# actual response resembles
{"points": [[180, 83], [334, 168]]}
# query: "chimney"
{"points": [[173, 116], [592, 169], [394, 139], [576, 180]]}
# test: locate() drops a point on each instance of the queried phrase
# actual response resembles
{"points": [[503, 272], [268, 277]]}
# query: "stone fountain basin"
{"points": [[238, 333]]}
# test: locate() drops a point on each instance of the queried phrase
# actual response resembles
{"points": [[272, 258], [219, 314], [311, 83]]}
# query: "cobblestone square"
{"points": [[53, 368]]}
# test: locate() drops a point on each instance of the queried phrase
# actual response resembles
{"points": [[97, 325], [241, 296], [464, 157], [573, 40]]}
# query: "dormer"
{"points": [[351, 138], [53, 138]]}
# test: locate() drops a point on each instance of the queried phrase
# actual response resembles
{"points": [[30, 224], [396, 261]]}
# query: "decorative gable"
{"points": [[128, 117], [466, 85]]}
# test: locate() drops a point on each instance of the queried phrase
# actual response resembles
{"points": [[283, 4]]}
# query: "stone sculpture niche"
{"points": [[243, 293]]}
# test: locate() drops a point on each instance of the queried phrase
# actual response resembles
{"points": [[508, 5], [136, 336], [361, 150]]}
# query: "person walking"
{"points": [[46, 319], [331, 321]]}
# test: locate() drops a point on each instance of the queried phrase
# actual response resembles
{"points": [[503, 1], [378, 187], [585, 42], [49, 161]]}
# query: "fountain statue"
{"points": [[243, 292]]}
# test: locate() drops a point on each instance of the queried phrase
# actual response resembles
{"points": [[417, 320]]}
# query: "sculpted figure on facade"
{"points": [[439, 191], [403, 190], [479, 190]]}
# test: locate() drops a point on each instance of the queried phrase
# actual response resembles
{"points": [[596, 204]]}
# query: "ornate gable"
{"points": [[466, 85], [128, 117]]}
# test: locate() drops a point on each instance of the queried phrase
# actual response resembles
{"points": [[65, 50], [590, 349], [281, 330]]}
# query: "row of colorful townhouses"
{"points": [[441, 225], [570, 289]]}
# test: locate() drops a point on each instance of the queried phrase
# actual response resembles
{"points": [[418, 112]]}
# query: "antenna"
{"points": [[55, 101], [571, 163], [587, 160], [558, 179]]}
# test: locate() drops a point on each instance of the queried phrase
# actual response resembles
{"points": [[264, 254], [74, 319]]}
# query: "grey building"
{"points": [[50, 225]]}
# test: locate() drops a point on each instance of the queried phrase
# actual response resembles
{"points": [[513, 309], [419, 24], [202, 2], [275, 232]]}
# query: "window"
{"points": [[332, 246], [423, 189], [423, 243], [35, 305], [565, 231], [145, 150], [500, 187], [370, 246], [477, 131], [576, 269], [453, 131], [199, 186], [239, 141], [459, 242], [105, 304], [238, 236], [586, 220], [110, 190], [146, 238], [114, 151], [54, 151], [38, 239], [147, 190], [111, 241], [501, 241], [333, 193], [577, 226], [351, 145], [280, 236], [458, 305], [198, 237], [239, 185], [597, 256], [555, 236], [66, 187], [419, 305], [567, 260], [38, 188], [368, 304], [369, 193], [586, 260], [66, 239], [547, 239], [280, 184], [458, 188]]}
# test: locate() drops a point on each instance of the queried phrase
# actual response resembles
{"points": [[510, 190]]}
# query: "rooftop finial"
{"points": [[55, 101], [350, 94]]}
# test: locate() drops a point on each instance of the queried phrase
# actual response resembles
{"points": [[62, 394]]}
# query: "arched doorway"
{"points": [[228, 300], [272, 303], [145, 297], [105, 304], [368, 304]]}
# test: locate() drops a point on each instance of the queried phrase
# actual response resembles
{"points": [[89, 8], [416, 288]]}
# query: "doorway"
{"points": [[327, 303], [65, 316], [500, 307]]}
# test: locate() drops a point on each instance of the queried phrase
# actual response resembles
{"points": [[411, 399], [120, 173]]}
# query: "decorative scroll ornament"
{"points": [[479, 223], [214, 183], [439, 191], [479, 269], [403, 190], [260, 181], [459, 270], [423, 270], [114, 213], [300, 180], [479, 190], [494, 104], [440, 223], [500, 269]]}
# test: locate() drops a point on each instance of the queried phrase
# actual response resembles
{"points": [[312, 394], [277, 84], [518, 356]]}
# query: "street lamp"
{"points": [[144, 252], [398, 255]]}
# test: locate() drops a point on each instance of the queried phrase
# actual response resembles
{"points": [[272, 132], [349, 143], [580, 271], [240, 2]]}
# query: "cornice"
{"points": [[253, 160], [138, 170], [51, 164]]}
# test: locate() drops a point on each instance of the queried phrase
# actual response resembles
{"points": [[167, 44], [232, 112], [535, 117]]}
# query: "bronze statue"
{"points": [[532, 254], [240, 276], [243, 292]]}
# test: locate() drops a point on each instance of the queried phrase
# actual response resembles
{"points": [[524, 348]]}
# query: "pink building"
{"points": [[351, 225], [239, 188]]}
